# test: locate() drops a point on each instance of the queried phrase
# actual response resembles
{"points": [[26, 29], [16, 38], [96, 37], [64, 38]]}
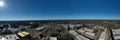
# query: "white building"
{"points": [[116, 34], [81, 31], [9, 37], [78, 25], [87, 34], [77, 36], [71, 26], [49, 38], [53, 38], [90, 34], [73, 32], [80, 37], [102, 36], [40, 28], [88, 29]]}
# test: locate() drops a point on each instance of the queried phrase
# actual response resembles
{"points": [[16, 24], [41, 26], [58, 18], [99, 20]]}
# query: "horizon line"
{"points": [[51, 19]]}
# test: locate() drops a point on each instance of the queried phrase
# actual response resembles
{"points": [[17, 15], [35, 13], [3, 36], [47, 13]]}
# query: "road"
{"points": [[109, 34]]}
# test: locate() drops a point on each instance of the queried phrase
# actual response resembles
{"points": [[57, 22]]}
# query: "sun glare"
{"points": [[1, 3]]}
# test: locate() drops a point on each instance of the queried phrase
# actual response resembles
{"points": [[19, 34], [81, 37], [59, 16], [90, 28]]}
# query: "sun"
{"points": [[1, 3]]}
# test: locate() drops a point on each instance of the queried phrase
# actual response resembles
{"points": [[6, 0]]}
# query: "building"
{"points": [[90, 34], [23, 34], [49, 38], [77, 36], [78, 25], [81, 31], [102, 36], [71, 26], [116, 34], [40, 28], [88, 29], [87, 34], [9, 37], [80, 37], [52, 38], [73, 32]]}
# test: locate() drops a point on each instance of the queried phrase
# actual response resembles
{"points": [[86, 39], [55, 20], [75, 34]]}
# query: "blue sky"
{"points": [[59, 9]]}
